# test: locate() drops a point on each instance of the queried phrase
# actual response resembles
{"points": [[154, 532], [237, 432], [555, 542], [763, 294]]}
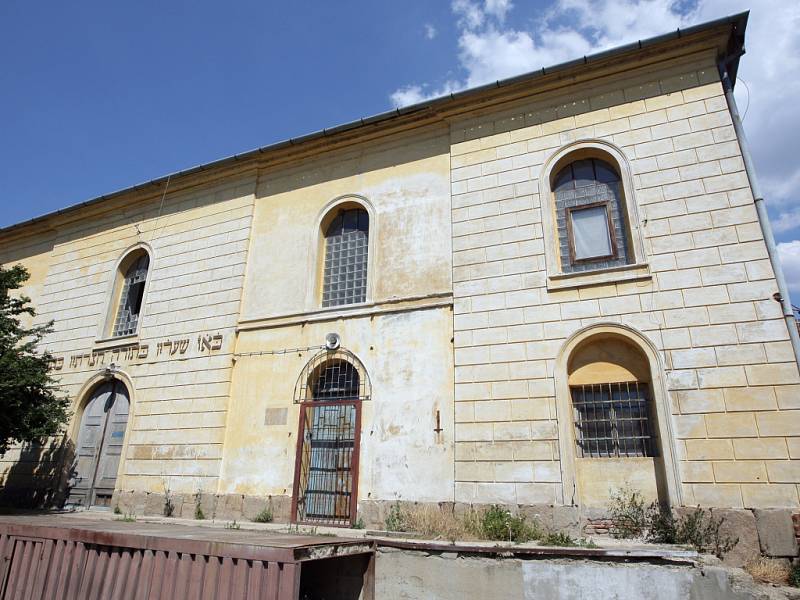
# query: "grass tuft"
{"points": [[495, 523], [265, 516], [770, 570]]}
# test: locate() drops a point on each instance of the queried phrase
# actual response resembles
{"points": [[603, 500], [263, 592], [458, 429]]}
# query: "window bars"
{"points": [[333, 375], [130, 302], [328, 461], [613, 420], [346, 248]]}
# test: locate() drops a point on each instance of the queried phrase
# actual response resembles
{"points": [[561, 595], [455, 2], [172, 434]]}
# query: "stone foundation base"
{"points": [[760, 532], [225, 507]]}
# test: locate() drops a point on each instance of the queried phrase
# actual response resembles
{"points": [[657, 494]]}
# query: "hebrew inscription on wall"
{"points": [[204, 344]]}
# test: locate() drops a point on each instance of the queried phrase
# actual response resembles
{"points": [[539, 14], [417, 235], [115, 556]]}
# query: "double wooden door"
{"points": [[99, 448]]}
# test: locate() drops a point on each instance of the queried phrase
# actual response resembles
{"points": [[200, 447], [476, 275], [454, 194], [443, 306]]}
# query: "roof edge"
{"points": [[734, 51]]}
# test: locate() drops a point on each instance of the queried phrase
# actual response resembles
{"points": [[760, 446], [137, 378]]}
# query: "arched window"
{"points": [[614, 421], [333, 375], [590, 216], [133, 272], [344, 278], [335, 380]]}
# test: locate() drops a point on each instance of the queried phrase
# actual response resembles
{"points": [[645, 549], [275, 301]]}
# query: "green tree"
{"points": [[31, 408]]}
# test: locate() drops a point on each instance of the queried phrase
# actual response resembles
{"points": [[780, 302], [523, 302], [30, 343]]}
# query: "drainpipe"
{"points": [[782, 295]]}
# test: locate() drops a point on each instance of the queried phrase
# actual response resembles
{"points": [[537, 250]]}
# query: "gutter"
{"points": [[782, 294]]}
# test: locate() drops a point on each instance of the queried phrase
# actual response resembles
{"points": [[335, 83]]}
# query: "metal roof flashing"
{"points": [[735, 49]]}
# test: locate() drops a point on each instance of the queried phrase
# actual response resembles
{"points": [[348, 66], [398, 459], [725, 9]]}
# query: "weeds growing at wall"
{"points": [[198, 509], [628, 514], [498, 523], [658, 524], [794, 576], [395, 520], [126, 518], [495, 523], [169, 505], [265, 516]]}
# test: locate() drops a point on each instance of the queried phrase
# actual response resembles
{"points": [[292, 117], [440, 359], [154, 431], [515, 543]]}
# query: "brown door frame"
{"points": [[354, 460]]}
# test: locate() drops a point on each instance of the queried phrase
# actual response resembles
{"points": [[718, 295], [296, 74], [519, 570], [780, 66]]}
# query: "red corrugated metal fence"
{"points": [[70, 564], [67, 570]]}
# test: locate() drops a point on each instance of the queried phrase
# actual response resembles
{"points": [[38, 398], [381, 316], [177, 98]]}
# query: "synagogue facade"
{"points": [[533, 293]]}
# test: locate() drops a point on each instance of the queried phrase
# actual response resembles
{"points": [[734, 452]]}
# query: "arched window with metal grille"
{"points": [[330, 389], [344, 278], [333, 375], [131, 296]]}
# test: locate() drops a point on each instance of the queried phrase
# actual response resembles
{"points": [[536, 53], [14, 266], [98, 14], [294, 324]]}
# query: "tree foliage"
{"points": [[31, 407]]}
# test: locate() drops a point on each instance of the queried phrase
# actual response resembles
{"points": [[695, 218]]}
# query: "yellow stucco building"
{"points": [[531, 293]]}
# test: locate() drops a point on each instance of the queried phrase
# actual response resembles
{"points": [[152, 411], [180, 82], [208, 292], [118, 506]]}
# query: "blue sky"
{"points": [[97, 96]]}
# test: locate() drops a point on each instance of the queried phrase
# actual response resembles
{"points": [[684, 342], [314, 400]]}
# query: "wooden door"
{"points": [[99, 448]]}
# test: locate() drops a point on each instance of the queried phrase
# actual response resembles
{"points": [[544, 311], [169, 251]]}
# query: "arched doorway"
{"points": [[330, 391], [101, 436]]}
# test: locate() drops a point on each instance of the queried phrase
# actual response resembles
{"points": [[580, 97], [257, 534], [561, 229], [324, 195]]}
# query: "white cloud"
{"points": [[470, 14], [773, 121], [498, 8], [489, 50], [615, 22], [412, 94], [430, 31], [495, 54], [786, 221], [789, 253], [785, 186], [490, 47]]}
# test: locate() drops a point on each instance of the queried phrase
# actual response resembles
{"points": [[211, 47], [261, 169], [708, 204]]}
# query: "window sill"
{"points": [[113, 342], [334, 313], [625, 273]]}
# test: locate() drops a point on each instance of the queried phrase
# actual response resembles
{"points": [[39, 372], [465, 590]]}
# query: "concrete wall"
{"points": [[700, 296], [33, 253], [421, 575], [404, 185]]}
